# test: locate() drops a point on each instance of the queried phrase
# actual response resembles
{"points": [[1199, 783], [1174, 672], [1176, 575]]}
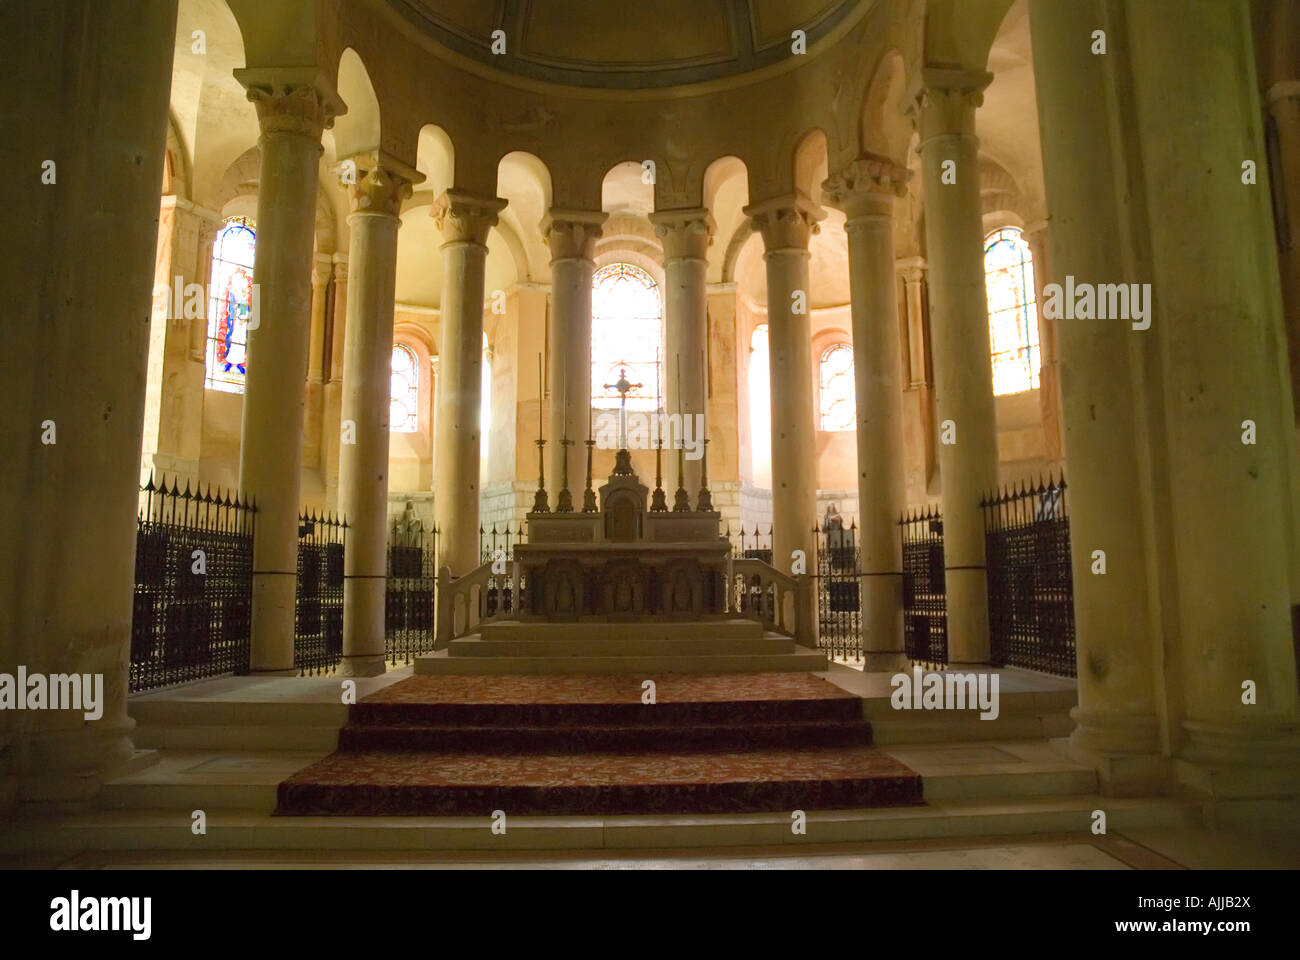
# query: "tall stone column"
{"points": [[292, 117], [866, 190], [1118, 729], [332, 372], [376, 198], [686, 235], [74, 368], [1283, 100], [786, 225], [959, 325], [572, 236], [464, 220], [1049, 374], [1218, 322]]}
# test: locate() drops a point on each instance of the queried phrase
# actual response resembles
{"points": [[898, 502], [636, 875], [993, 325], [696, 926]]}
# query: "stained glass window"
{"points": [[230, 305], [1013, 314], [760, 409], [404, 397], [838, 404], [626, 334]]}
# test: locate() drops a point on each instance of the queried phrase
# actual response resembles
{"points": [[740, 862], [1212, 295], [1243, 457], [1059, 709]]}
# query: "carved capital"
{"points": [[866, 187], [340, 268], [786, 223], [293, 109], [684, 234], [947, 100], [322, 268], [572, 234], [912, 270], [466, 217], [377, 183]]}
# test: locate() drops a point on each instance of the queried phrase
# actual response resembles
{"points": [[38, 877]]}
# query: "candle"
{"points": [[539, 395]]}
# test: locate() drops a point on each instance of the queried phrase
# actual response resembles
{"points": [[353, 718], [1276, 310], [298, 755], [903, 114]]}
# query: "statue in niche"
{"points": [[411, 525]]}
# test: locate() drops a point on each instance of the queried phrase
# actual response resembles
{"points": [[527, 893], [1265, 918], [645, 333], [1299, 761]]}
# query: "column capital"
{"points": [[294, 101], [377, 182], [912, 269], [684, 234], [341, 267], [786, 223], [435, 362], [572, 234], [866, 187], [465, 217], [322, 268], [946, 101]]}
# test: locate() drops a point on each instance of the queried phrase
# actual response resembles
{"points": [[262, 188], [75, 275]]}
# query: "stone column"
{"points": [[1218, 322], [314, 423], [787, 224], [1283, 100], [571, 235], [686, 235], [292, 117], [866, 190], [959, 325], [1116, 715], [380, 186], [74, 368], [332, 372], [464, 220], [1049, 374]]}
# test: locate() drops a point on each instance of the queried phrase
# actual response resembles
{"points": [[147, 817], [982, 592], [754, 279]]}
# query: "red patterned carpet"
{"points": [[447, 745]]}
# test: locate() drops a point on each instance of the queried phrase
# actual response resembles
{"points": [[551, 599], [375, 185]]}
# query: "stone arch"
{"points": [[811, 163], [884, 127], [358, 130], [237, 194]]}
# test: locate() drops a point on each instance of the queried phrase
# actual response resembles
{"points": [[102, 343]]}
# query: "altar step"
{"points": [[719, 646]]}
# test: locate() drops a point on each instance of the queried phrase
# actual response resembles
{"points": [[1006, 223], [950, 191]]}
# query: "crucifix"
{"points": [[623, 388]]}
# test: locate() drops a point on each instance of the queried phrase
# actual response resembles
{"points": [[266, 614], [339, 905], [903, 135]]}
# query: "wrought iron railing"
{"points": [[925, 605], [191, 614], [839, 592], [751, 545], [1031, 589], [409, 591], [318, 621]]}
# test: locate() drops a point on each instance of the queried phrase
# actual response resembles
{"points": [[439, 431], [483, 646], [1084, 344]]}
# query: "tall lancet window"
{"points": [[230, 306], [627, 334], [838, 404], [404, 397], [1013, 314]]}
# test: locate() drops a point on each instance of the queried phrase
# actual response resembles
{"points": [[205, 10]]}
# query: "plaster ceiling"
{"points": [[595, 43]]}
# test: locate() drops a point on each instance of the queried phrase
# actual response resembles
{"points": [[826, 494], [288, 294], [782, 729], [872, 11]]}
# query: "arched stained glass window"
{"points": [[838, 404], [230, 305], [626, 334], [760, 409], [1013, 314], [404, 396]]}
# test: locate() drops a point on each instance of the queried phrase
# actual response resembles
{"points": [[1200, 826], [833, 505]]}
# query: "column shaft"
{"points": [[464, 221], [968, 465], [73, 367], [270, 455], [866, 190], [367, 374], [685, 235], [1113, 619], [787, 224], [572, 237]]}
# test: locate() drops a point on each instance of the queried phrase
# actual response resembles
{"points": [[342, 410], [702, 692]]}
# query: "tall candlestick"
{"points": [[540, 397]]}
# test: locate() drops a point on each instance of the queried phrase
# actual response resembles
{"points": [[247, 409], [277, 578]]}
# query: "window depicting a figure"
{"points": [[230, 306], [626, 335], [1013, 314], [835, 378]]}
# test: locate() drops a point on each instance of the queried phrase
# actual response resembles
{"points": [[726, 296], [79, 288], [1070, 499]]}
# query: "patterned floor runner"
{"points": [[467, 746]]}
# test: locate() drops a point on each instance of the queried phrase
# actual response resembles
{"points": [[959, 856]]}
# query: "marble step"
{"points": [[155, 829], [614, 646], [621, 631], [800, 659]]}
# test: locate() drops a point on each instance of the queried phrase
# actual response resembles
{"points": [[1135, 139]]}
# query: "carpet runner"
{"points": [[587, 745]]}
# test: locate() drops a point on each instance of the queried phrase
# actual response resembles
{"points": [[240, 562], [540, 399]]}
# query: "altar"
{"points": [[620, 558]]}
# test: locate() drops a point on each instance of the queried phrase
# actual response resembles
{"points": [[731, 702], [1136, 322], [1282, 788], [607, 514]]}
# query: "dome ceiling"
{"points": [[596, 43]]}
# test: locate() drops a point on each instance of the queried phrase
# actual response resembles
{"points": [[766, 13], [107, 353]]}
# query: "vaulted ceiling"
{"points": [[661, 43]]}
